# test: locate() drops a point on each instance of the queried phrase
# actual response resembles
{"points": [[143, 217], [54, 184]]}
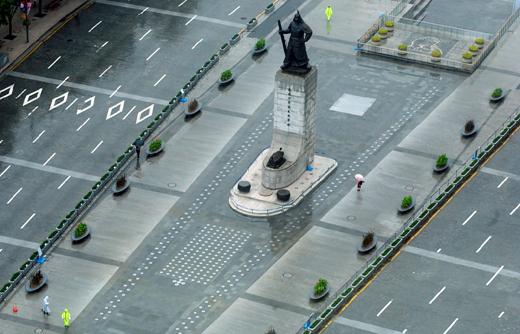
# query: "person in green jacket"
{"points": [[66, 317], [328, 11]]}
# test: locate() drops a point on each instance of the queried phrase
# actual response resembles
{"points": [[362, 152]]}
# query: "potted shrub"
{"points": [[121, 184], [469, 129], [193, 107], [389, 25], [260, 46], [368, 242], [402, 49], [497, 94], [269, 8], [321, 288], [376, 40], [406, 204], [479, 42], [467, 57], [441, 164], [38, 279], [383, 33], [234, 40], [226, 77], [155, 147], [473, 49], [81, 231], [251, 23], [214, 59], [224, 48], [436, 55]]}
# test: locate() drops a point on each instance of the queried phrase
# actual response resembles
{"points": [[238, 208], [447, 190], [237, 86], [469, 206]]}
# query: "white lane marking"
{"points": [[439, 250], [95, 26], [485, 242], [1, 250], [1, 141], [28, 220], [115, 91], [94, 150], [23, 91], [453, 323], [514, 210], [501, 183], [492, 278], [193, 18], [159, 80], [234, 11], [406, 330], [61, 185], [5, 170], [62, 82], [384, 308], [88, 119], [70, 105], [54, 62], [101, 46], [193, 47], [437, 295], [9, 201], [105, 71], [182, 3], [38, 136], [469, 217], [144, 10], [153, 54], [501, 314], [52, 156], [145, 34], [128, 113], [29, 114]]}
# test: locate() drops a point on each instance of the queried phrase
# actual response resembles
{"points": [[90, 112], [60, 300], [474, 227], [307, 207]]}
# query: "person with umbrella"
{"points": [[360, 180], [138, 143]]}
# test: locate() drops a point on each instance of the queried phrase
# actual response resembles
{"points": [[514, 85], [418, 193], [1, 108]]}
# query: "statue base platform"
{"points": [[263, 202]]}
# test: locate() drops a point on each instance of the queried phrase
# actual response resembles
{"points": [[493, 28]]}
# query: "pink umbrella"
{"points": [[359, 177]]}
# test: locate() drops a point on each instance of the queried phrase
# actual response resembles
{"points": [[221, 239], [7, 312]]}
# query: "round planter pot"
{"points": [[494, 99], [480, 46], [223, 82], [471, 133], [120, 190], [321, 295], [441, 169], [283, 195], [401, 53], [154, 152], [474, 53], [244, 186], [436, 59], [81, 237], [191, 113], [38, 287], [383, 36], [376, 43], [408, 208], [261, 50], [467, 61], [389, 29], [369, 247]]}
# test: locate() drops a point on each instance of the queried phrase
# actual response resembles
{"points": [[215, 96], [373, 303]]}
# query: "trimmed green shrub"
{"points": [[367, 271], [186, 86], [260, 44], [386, 251], [464, 172], [405, 232], [490, 146], [415, 222], [376, 262], [150, 125], [178, 94], [226, 75], [306, 332], [336, 302], [44, 243], [479, 41], [382, 31], [497, 92], [199, 71], [457, 179], [511, 124], [356, 282], [15, 275], [79, 205], [69, 214], [320, 286], [423, 214], [224, 46], [396, 241], [324, 314], [436, 53], [252, 20], [62, 223], [503, 132], [431, 206], [112, 167], [467, 55], [406, 202], [193, 79], [402, 47], [87, 195], [473, 48], [473, 163], [214, 56], [33, 255], [80, 229], [158, 117], [389, 23], [442, 160], [103, 178], [517, 117], [121, 157], [315, 323], [206, 64], [441, 196], [448, 188], [52, 234], [346, 292], [376, 39], [129, 149], [496, 139], [144, 133], [22, 268], [234, 36], [154, 146], [6, 285]]}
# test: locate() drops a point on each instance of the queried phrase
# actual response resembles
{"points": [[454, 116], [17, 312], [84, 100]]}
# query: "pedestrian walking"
{"points": [[46, 309], [360, 180], [137, 151], [328, 11], [66, 317]]}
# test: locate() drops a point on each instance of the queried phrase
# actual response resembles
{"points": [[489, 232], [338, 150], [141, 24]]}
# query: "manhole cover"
{"points": [[409, 188], [172, 185], [287, 275], [70, 40], [243, 18], [38, 330], [351, 218]]}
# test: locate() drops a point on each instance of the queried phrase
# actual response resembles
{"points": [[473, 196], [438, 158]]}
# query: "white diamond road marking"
{"points": [[120, 105], [140, 118], [352, 104], [91, 101], [10, 88], [28, 100], [64, 99]]}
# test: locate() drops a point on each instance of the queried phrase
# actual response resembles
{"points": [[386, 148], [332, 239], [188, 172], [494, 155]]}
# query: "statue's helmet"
{"points": [[297, 17]]}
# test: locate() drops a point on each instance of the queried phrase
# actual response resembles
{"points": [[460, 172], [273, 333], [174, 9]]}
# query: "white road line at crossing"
{"points": [[234, 10], [437, 295], [101, 46], [193, 47], [153, 54], [193, 18], [88, 119], [67, 78], [29, 114], [144, 10], [514, 210], [23, 91], [54, 62], [9, 201], [492, 278], [128, 113], [61, 185], [70, 105], [501, 183], [384, 308], [471, 216], [485, 242], [452, 324], [105, 71], [5, 170], [95, 26], [115, 91], [28, 220], [94, 150], [38, 136], [182, 3], [52, 156], [159, 80], [501, 314], [145, 35], [439, 250]]}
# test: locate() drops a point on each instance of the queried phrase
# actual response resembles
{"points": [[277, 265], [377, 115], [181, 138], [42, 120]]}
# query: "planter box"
{"points": [[387, 255], [16, 280], [368, 272], [27, 269], [7, 291], [47, 246], [441, 200], [415, 224], [251, 25], [234, 41], [269, 10], [214, 61], [224, 50], [359, 283], [407, 233], [396, 243], [53, 239], [74, 215]]}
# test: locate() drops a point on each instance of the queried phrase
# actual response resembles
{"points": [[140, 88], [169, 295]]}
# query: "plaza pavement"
{"points": [[83, 277]]}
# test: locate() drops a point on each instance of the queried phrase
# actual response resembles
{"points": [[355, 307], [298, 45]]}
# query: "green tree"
{"points": [[7, 10]]}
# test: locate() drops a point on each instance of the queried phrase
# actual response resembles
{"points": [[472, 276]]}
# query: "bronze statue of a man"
{"points": [[296, 60]]}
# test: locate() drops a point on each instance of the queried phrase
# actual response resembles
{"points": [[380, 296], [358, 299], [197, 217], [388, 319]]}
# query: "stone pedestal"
{"points": [[293, 128]]}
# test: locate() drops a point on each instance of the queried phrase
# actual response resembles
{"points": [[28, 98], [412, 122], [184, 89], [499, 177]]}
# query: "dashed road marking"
{"points": [[28, 220], [384, 308], [144, 10], [101, 46], [492, 278], [145, 35], [52, 156], [485, 242], [471, 216], [182, 3], [452, 324], [234, 10], [501, 314], [153, 54], [38, 136], [129, 113], [105, 71], [54, 62], [115, 91], [514, 210], [501, 183], [437, 295], [94, 150], [159, 80], [70, 105], [88, 119], [61, 185], [193, 18], [67, 78], [16, 193], [95, 26], [5, 170], [193, 47]]}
